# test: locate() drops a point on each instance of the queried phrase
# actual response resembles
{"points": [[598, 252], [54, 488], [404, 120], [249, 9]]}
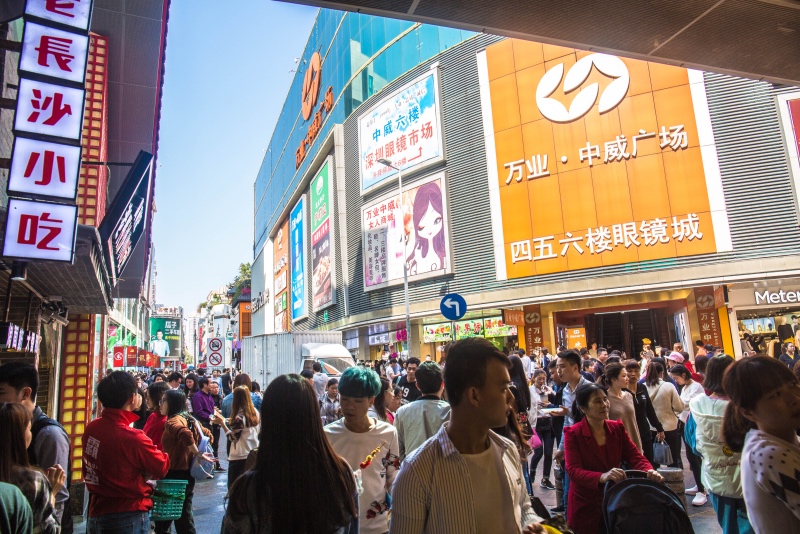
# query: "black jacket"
{"points": [[644, 412]]}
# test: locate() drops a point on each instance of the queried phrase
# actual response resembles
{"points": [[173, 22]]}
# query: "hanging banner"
{"points": [[710, 331], [281, 272], [415, 231], [533, 326], [323, 275], [297, 227], [404, 128], [119, 356], [130, 356]]}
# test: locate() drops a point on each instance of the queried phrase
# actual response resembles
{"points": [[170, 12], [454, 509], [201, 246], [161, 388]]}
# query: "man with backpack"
{"points": [[49, 446]]}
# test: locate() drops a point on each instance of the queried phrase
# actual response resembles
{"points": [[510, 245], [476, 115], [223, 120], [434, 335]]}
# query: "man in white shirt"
{"points": [[467, 479], [368, 444], [320, 379], [419, 420], [159, 346], [527, 364], [393, 371]]}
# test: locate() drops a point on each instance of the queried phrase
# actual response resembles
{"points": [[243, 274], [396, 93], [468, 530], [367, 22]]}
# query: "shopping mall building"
{"points": [[570, 197]]}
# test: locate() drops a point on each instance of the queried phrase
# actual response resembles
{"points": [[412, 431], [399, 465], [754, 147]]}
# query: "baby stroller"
{"points": [[638, 505]]}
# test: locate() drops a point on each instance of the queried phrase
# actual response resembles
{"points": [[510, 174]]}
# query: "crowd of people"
{"points": [[412, 447]]}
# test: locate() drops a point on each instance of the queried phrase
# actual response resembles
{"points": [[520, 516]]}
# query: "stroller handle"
{"points": [[629, 473]]}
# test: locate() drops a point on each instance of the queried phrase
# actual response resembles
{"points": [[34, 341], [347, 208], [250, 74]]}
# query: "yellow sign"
{"points": [[596, 160]]}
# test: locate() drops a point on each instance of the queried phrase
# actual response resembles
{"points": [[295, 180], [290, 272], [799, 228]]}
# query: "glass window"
{"points": [[378, 33], [365, 38], [448, 37], [410, 48], [394, 61], [428, 41]]}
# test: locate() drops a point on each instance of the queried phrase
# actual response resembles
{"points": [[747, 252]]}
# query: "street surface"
{"points": [[209, 507]]}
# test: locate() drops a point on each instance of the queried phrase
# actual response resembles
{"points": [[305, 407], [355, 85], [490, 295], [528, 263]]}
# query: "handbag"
{"points": [[662, 455], [201, 469], [535, 442]]}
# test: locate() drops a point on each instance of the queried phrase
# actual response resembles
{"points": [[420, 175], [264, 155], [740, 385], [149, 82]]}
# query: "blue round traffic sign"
{"points": [[453, 306]]}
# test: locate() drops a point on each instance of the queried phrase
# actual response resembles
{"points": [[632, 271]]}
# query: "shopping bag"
{"points": [[535, 442], [201, 469], [662, 455]]}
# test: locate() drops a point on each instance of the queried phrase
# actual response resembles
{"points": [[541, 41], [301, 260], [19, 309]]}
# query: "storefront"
{"points": [[614, 220], [769, 312]]}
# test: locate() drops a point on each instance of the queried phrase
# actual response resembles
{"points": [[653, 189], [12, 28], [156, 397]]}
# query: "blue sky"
{"points": [[225, 83]]}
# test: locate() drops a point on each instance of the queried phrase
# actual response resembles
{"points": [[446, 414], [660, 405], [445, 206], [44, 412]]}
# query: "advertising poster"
{"points": [[323, 274], [297, 227], [281, 271], [433, 333], [495, 327], [415, 232], [534, 337], [589, 131], [707, 317], [404, 128], [165, 337], [472, 328]]}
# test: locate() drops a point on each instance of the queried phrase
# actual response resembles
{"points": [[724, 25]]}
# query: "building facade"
{"points": [[571, 198]]}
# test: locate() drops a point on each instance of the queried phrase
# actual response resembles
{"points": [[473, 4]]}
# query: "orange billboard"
{"points": [[595, 160]]}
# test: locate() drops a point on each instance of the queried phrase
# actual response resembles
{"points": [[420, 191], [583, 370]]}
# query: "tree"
{"points": [[242, 280]]}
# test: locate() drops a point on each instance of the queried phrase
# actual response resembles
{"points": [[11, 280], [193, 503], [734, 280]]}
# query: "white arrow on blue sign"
{"points": [[453, 306]]}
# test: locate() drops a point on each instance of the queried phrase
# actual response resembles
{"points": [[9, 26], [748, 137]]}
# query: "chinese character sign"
{"points": [[53, 52], [74, 13], [534, 337], [595, 160], [707, 318], [165, 337], [414, 232], [42, 168], [280, 247], [297, 228], [47, 109], [323, 272], [40, 230], [404, 128]]}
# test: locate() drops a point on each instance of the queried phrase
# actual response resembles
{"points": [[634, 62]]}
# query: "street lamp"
{"points": [[388, 163]]}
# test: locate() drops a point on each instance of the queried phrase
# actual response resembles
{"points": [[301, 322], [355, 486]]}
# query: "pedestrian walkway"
{"points": [[209, 506]]}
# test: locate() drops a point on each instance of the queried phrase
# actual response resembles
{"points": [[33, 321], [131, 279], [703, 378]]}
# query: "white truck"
{"points": [[267, 356]]}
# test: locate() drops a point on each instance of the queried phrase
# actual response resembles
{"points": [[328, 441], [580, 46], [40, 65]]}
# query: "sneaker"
{"points": [[700, 499], [546, 484], [691, 491]]}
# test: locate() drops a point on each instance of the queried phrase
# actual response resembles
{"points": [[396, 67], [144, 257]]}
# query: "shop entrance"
{"points": [[623, 329]]}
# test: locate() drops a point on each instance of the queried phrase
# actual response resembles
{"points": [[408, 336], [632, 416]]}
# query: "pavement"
{"points": [[209, 506]]}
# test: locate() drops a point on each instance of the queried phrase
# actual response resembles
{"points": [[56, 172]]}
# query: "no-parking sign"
{"points": [[215, 344]]}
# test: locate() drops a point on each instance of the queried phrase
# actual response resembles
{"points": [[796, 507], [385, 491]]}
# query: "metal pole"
{"points": [[8, 298], [405, 267]]}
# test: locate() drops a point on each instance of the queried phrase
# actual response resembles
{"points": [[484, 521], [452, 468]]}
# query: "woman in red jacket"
{"points": [[594, 450]]}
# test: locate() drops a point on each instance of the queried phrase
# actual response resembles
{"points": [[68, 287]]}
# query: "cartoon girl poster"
{"points": [[429, 251]]}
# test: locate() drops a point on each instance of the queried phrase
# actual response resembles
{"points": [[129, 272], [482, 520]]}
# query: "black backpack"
{"points": [[638, 505], [40, 422]]}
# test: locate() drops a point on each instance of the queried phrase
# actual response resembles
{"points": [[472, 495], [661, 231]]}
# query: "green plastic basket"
{"points": [[168, 500]]}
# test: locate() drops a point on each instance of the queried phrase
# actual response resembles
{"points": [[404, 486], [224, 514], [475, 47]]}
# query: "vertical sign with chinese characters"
{"points": [[414, 231], [323, 273], [533, 326], [710, 331], [45, 160], [404, 128], [579, 145], [297, 229], [281, 281]]}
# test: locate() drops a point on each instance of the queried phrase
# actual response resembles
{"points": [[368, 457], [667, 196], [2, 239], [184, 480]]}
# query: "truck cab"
{"points": [[333, 357]]}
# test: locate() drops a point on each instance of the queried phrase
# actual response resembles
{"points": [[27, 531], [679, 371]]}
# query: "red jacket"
{"points": [[154, 428], [586, 462], [117, 462]]}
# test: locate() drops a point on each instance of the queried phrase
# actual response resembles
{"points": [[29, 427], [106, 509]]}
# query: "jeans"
{"points": [[565, 485], [695, 464], [731, 514], [122, 523], [185, 524], [545, 433], [235, 470]]}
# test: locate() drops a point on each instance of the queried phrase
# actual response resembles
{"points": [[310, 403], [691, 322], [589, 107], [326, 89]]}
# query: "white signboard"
{"points": [[53, 52], [404, 128], [44, 108], [75, 13], [42, 168], [415, 232], [40, 230]]}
